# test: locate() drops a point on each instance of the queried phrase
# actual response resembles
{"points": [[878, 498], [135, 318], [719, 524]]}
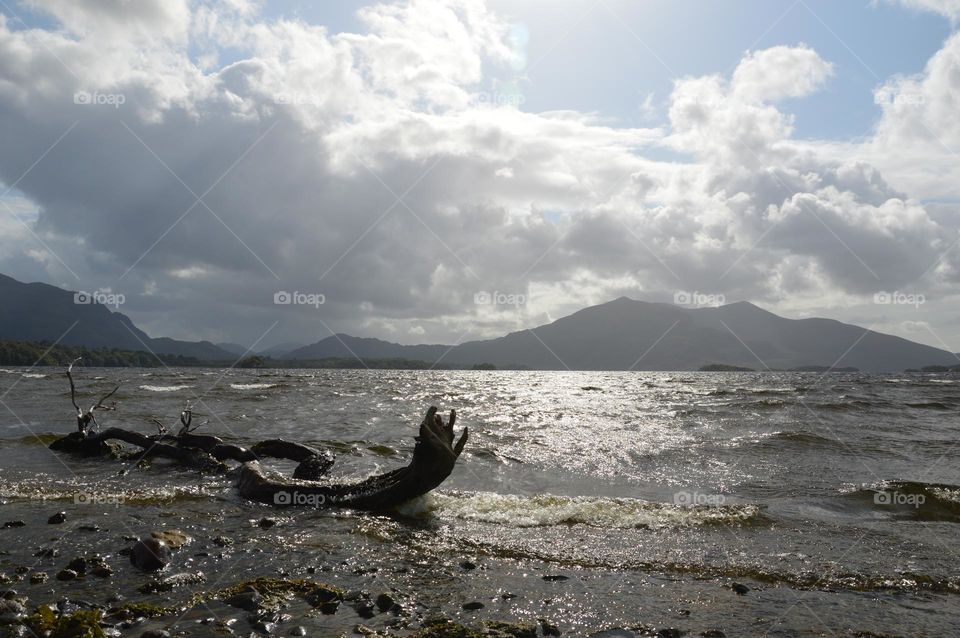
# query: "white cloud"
{"points": [[947, 8], [306, 138]]}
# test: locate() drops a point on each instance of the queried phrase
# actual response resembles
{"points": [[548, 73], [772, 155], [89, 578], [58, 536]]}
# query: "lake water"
{"points": [[834, 498]]}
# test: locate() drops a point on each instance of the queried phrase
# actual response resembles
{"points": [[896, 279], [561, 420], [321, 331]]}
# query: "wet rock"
{"points": [[468, 565], [363, 630], [22, 569], [37, 578], [671, 632], [548, 628], [364, 608], [89, 528], [473, 606], [67, 575], [385, 602], [552, 578], [102, 571], [507, 596], [713, 633], [10, 524], [78, 565], [249, 599], [264, 627], [155, 633], [499, 629], [150, 554], [174, 538], [47, 552], [57, 519], [222, 541], [299, 630], [267, 523], [740, 589], [13, 607]]}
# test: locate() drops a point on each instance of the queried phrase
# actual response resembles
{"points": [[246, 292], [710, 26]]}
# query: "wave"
{"points": [[63, 491], [33, 375], [910, 500], [929, 405], [549, 510], [165, 388], [252, 386]]}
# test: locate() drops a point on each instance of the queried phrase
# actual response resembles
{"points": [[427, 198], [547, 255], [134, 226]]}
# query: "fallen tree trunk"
{"points": [[434, 457]]}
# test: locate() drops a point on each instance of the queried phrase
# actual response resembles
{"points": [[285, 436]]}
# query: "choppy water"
{"points": [[835, 498]]}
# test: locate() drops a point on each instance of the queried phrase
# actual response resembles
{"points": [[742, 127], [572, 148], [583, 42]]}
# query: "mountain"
{"points": [[626, 334], [40, 312], [234, 348], [280, 350]]}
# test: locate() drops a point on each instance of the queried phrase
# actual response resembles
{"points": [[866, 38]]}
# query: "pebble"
{"points": [[248, 599], [385, 601], [222, 541], [298, 631], [9, 524], [38, 577], [67, 574], [150, 554], [740, 588], [57, 519], [713, 633], [473, 606], [174, 538], [267, 523], [466, 564], [155, 633]]}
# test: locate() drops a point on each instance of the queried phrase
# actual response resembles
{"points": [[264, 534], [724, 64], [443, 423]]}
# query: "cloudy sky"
{"points": [[397, 160]]}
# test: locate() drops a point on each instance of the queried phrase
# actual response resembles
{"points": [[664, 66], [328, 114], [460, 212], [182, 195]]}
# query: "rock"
{"points": [[473, 606], [555, 578], [671, 632], [508, 596], [9, 524], [22, 569], [299, 630], [155, 633], [363, 630], [740, 588], [172, 582], [38, 577], [264, 627], [102, 571], [468, 565], [11, 607], [713, 633], [89, 528], [364, 608], [548, 628], [57, 519], [249, 599], [78, 565], [67, 574], [385, 601], [500, 629], [174, 538], [222, 541], [267, 523], [150, 554]]}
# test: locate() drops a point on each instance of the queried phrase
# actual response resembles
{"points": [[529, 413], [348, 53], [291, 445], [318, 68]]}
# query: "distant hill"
{"points": [[39, 312], [626, 334]]}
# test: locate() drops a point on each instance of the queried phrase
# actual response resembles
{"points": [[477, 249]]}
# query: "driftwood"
{"points": [[434, 457]]}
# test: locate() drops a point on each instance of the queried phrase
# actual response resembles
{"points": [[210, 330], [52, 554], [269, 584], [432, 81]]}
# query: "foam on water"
{"points": [[550, 510], [165, 388], [252, 386]]}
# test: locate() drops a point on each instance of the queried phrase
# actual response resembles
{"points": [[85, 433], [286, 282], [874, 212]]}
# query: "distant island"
{"points": [[723, 367]]}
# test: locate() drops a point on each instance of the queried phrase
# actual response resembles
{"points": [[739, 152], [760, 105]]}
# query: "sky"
{"points": [[444, 170]]}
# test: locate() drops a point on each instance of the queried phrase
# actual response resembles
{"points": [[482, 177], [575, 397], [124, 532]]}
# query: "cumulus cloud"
{"points": [[947, 8], [233, 156]]}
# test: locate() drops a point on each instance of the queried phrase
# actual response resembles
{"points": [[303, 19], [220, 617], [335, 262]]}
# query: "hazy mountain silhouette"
{"points": [[626, 334], [40, 312]]}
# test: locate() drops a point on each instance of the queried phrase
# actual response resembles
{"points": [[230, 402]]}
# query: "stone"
{"points": [[174, 538], [473, 606], [57, 519], [740, 589], [150, 554], [67, 575]]}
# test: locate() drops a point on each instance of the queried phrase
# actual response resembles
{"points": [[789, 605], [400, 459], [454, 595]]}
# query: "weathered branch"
{"points": [[434, 457]]}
